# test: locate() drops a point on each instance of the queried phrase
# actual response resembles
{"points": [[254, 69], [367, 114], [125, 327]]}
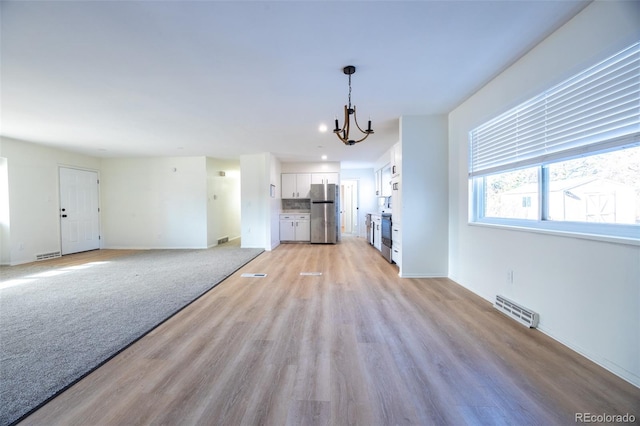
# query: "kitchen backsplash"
{"points": [[296, 204]]}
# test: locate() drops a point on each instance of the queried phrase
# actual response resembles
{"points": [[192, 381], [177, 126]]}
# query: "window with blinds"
{"points": [[568, 159], [598, 109]]}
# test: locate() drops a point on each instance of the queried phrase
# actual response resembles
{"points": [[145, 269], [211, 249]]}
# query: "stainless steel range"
{"points": [[386, 236]]}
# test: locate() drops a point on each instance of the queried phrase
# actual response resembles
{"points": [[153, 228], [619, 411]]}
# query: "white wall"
{"points": [[311, 167], [34, 199], [144, 202], [5, 218], [587, 292], [223, 200], [424, 189], [154, 202]]}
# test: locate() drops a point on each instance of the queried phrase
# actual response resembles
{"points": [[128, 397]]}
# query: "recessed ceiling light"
{"points": [[324, 157], [322, 128]]}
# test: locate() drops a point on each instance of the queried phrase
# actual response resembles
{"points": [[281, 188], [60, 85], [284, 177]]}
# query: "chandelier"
{"points": [[343, 133]]}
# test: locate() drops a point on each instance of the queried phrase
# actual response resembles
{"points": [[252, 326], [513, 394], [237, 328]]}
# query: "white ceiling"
{"points": [[221, 79]]}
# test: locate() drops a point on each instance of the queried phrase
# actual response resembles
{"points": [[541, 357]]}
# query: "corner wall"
{"points": [[34, 199], [587, 292], [154, 203], [260, 225]]}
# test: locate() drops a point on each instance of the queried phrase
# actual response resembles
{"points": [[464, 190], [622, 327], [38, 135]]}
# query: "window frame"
{"points": [[614, 232]]}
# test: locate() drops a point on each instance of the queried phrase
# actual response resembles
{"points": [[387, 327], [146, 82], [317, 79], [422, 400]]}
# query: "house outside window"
{"points": [[567, 160]]}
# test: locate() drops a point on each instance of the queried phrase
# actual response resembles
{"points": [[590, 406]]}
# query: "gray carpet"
{"points": [[55, 329]]}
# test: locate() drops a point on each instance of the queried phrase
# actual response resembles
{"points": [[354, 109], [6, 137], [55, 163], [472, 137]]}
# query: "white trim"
{"points": [[605, 363], [436, 275]]}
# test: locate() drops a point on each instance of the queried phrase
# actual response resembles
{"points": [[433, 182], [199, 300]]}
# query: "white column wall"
{"points": [[259, 211], [424, 196]]}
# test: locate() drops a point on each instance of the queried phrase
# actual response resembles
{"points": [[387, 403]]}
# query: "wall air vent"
{"points": [[45, 256], [223, 240], [517, 312]]}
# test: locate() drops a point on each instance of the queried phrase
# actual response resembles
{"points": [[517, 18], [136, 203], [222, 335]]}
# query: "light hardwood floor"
{"points": [[355, 345]]}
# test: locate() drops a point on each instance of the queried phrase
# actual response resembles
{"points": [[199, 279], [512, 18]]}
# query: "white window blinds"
{"points": [[596, 110]]}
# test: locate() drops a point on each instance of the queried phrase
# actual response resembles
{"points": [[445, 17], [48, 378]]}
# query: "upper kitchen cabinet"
{"points": [[327, 178], [296, 185], [383, 181], [396, 159]]}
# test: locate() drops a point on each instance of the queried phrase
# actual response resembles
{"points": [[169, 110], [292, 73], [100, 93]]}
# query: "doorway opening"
{"points": [[350, 207]]}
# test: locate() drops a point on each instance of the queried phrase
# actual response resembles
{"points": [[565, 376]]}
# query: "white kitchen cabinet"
{"points": [[386, 181], [396, 159], [383, 181], [296, 185], [327, 178], [303, 228], [289, 185], [396, 244], [396, 198], [295, 227], [287, 229], [396, 255]]}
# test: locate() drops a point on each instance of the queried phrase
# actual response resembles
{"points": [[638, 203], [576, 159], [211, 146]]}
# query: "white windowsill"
{"points": [[543, 228]]}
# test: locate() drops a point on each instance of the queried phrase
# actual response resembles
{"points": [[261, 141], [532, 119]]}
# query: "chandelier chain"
{"points": [[349, 91]]}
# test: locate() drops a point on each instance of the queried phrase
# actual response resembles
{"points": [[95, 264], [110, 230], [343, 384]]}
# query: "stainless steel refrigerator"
{"points": [[325, 217]]}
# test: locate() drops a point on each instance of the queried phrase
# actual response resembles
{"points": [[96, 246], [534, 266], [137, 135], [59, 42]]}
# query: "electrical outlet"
{"points": [[510, 276]]}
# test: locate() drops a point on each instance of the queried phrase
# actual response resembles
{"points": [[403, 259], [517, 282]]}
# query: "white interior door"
{"points": [[79, 210]]}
